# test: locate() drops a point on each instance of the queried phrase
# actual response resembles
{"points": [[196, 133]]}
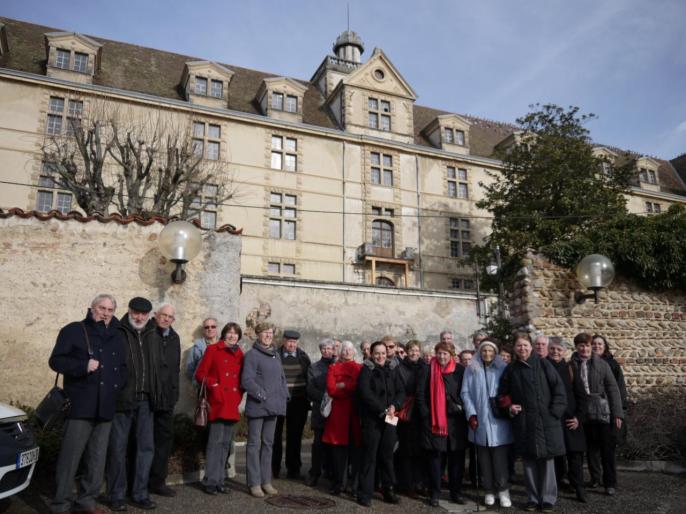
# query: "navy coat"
{"points": [[537, 387], [92, 395]]}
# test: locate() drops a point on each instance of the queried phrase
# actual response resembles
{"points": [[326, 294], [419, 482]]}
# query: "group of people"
{"points": [[122, 379], [399, 418]]}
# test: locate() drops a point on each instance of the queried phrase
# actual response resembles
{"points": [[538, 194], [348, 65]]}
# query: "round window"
{"points": [[379, 74]]}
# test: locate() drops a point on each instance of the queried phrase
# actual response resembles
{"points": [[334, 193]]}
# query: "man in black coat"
{"points": [[164, 364], [133, 412], [296, 365], [90, 356]]}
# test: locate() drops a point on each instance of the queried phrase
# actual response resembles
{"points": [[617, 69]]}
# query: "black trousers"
{"points": [[164, 441], [455, 461], [295, 419], [344, 457], [493, 468], [319, 454], [378, 440], [601, 442]]}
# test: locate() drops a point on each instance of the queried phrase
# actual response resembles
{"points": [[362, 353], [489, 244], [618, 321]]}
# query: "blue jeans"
{"points": [[142, 420]]}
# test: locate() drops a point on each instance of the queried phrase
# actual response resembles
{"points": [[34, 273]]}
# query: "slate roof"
{"points": [[158, 73]]}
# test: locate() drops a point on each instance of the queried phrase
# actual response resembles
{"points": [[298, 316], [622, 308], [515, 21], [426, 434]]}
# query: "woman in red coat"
{"points": [[220, 370], [342, 427]]}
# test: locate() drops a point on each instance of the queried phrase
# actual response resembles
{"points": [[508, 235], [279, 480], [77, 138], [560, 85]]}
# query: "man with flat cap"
{"points": [[133, 412], [296, 364]]}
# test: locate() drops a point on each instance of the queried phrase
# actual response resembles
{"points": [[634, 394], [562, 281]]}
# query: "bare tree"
{"points": [[154, 166], [77, 160]]}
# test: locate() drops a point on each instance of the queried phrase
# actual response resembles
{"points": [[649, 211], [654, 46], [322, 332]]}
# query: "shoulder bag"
{"points": [[325, 407], [202, 409], [54, 408]]}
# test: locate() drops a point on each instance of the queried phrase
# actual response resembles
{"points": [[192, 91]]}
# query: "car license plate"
{"points": [[27, 458]]}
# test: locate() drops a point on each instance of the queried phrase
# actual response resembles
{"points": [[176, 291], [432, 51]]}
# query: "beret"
{"points": [[291, 334], [140, 304]]}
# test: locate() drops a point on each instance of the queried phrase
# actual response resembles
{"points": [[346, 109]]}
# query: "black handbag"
{"points": [[54, 408]]}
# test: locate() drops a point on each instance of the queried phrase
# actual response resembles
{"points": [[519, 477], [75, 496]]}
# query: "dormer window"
{"points": [[201, 86], [379, 116], [80, 62], [281, 98], [449, 132], [647, 176], [206, 83], [62, 59], [72, 56]]}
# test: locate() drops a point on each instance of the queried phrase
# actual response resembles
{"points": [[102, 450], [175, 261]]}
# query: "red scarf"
{"points": [[439, 416]]}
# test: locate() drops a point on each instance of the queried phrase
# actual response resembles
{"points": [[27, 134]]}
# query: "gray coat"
{"points": [[264, 381], [316, 385]]}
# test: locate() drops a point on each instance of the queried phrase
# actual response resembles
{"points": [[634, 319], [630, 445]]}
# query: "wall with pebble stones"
{"points": [[51, 269], [645, 329]]}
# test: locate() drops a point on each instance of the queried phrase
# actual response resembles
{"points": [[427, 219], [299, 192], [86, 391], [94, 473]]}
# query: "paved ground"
{"points": [[638, 493]]}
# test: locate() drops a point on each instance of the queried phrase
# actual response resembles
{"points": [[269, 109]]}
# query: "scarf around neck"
{"points": [[439, 416]]}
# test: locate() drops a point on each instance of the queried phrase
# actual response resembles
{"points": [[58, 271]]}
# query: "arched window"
{"points": [[384, 282], [382, 236]]}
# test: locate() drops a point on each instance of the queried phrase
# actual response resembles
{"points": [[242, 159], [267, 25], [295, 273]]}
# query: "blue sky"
{"points": [[624, 60]]}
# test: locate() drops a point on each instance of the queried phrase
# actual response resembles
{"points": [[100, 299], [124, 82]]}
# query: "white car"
{"points": [[18, 451]]}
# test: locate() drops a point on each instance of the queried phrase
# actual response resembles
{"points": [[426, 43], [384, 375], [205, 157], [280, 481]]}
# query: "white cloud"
{"points": [[681, 127]]}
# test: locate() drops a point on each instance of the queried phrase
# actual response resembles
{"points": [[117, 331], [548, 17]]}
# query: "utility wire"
{"points": [[349, 213]]}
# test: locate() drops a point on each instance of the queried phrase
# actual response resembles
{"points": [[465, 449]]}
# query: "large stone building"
{"points": [[340, 178]]}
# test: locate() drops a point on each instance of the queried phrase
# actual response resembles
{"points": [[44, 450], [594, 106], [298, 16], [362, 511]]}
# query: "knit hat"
{"points": [[488, 342]]}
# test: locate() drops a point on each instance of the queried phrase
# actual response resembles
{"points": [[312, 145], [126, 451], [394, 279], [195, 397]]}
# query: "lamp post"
{"points": [[594, 272], [494, 269], [180, 241]]}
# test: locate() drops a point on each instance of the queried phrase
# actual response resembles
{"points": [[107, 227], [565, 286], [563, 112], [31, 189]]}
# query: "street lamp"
{"points": [[180, 241], [594, 272], [494, 269]]}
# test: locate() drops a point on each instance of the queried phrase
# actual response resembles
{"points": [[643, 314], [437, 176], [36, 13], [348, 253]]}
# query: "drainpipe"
{"points": [[343, 210], [419, 225]]}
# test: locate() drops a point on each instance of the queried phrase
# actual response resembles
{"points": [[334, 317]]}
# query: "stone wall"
{"points": [[321, 309], [646, 330], [51, 269]]}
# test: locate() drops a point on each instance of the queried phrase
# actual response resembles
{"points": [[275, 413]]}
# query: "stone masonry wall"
{"points": [[51, 269], [646, 330]]}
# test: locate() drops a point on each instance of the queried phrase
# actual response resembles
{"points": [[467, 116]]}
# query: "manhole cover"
{"points": [[292, 501]]}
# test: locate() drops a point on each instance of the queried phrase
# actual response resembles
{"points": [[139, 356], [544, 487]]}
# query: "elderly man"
{"points": [[446, 337], [316, 386], [209, 336], [90, 356], [296, 365], [478, 336], [133, 411], [165, 351], [541, 346], [364, 349]]}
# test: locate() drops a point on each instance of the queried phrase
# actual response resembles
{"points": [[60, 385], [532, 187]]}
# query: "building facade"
{"points": [[340, 178]]}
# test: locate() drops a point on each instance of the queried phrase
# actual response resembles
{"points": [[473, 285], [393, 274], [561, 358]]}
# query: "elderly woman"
{"points": [[381, 396], [444, 427], [536, 398], [598, 405], [342, 426], [219, 371], [575, 441], [427, 353], [264, 381], [409, 458], [490, 432], [316, 387], [602, 349]]}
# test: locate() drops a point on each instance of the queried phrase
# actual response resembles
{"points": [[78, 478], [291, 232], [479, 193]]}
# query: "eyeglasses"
{"points": [[209, 327]]}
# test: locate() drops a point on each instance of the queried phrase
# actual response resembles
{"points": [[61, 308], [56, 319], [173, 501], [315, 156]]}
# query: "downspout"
{"points": [[343, 210], [419, 225]]}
